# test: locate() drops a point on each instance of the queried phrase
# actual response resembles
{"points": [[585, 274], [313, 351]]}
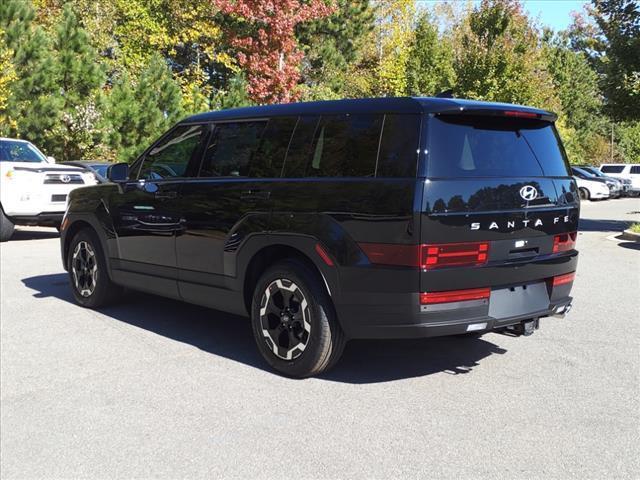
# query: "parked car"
{"points": [[625, 183], [327, 221], [99, 169], [33, 189], [614, 187], [630, 171]]}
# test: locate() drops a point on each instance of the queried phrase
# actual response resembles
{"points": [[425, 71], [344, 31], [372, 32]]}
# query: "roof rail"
{"points": [[445, 94]]}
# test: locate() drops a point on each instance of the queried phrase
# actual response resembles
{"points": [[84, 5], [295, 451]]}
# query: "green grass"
{"points": [[635, 228]]}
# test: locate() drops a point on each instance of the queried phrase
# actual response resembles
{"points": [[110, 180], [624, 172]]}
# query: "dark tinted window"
{"points": [[579, 173], [612, 168], [345, 146], [231, 149], [399, 146], [11, 151], [462, 146], [170, 157], [300, 147], [267, 162], [635, 169]]}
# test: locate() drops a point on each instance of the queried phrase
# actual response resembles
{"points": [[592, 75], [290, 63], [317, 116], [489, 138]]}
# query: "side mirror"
{"points": [[118, 172], [50, 159]]}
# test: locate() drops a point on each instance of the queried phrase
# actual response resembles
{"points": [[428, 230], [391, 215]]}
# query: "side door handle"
{"points": [[160, 195], [255, 195]]}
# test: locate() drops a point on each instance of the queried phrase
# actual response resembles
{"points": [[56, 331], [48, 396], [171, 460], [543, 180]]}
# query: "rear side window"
{"points": [[231, 149], [635, 170], [268, 160], [399, 146], [464, 146], [334, 146], [612, 168], [171, 156]]}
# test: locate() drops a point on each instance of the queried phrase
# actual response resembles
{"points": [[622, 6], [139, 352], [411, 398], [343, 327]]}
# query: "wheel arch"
{"points": [[75, 226]]}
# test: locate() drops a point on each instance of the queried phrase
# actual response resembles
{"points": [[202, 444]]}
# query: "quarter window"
{"points": [[231, 149], [171, 156], [399, 146], [635, 170]]}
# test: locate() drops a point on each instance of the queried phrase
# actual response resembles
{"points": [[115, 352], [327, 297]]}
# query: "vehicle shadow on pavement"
{"points": [[230, 336], [591, 225], [19, 234]]}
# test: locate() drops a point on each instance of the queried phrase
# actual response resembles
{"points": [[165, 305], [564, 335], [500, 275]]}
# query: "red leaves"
{"points": [[269, 53]]}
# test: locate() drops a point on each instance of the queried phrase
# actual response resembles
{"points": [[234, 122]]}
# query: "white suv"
{"points": [[629, 171], [33, 189]]}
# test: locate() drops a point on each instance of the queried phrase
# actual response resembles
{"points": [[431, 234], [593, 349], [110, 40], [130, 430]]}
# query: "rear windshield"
{"points": [[464, 146], [612, 168]]}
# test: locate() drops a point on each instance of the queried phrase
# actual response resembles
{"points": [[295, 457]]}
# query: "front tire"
{"points": [[294, 322], [87, 266], [6, 227], [584, 194]]}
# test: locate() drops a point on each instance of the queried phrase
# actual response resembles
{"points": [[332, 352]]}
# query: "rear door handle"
{"points": [[255, 195], [160, 195]]}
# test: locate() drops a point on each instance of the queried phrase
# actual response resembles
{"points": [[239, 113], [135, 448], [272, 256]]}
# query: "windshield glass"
{"points": [[13, 151], [473, 146]]}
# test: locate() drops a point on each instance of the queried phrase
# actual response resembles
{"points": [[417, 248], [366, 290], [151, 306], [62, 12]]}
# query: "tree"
{"points": [[430, 65], [139, 113], [498, 55], [263, 32], [78, 80], [7, 77], [31, 106], [619, 24], [331, 45]]}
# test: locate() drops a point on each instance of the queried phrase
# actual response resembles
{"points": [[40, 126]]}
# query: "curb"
{"points": [[629, 235]]}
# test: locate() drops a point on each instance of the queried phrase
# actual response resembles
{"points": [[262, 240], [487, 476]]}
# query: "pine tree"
{"points": [[430, 65], [122, 120], [31, 105], [79, 78]]}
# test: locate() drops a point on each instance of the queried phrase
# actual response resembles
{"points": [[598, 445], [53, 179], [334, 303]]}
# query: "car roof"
{"points": [[14, 140], [417, 105]]}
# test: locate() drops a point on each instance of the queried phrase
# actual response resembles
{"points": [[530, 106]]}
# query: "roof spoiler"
{"points": [[507, 111]]}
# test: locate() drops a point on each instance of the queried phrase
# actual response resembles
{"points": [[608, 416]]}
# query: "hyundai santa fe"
{"points": [[329, 221]]}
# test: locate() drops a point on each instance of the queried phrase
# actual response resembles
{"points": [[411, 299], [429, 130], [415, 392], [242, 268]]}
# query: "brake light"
{"points": [[520, 114], [431, 298], [564, 242], [562, 279], [450, 254]]}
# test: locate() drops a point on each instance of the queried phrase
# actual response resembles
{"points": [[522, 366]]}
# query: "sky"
{"points": [[552, 13]]}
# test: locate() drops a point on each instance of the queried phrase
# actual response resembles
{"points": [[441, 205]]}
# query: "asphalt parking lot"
{"points": [[157, 388]]}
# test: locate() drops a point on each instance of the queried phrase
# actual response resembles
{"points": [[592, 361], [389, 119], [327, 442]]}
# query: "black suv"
{"points": [[326, 221]]}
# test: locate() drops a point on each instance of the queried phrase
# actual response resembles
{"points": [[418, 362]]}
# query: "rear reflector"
{"points": [[562, 279], [564, 242], [391, 254], [454, 296], [324, 255], [450, 254], [519, 114]]}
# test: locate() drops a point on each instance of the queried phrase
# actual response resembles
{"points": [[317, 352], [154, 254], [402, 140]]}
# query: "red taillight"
{"points": [[450, 254], [562, 279], [520, 114], [390, 254], [454, 296], [564, 242]]}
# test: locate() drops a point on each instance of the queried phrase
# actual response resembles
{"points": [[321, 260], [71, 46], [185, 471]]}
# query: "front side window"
{"points": [[171, 156], [12, 151], [231, 149]]}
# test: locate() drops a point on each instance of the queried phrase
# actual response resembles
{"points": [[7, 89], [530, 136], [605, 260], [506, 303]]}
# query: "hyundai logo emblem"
{"points": [[529, 193]]}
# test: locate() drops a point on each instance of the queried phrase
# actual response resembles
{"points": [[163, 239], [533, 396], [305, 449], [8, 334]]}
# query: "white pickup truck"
{"points": [[33, 189]]}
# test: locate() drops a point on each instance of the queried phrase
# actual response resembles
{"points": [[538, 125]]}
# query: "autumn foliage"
{"points": [[268, 51]]}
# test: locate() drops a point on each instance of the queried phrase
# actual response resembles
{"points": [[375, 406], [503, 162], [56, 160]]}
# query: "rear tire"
{"points": [[88, 275], [6, 227], [584, 194], [294, 322]]}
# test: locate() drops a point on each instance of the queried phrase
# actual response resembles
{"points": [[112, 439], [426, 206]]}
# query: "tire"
{"points": [[6, 227], [296, 341], [584, 194], [88, 275]]}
